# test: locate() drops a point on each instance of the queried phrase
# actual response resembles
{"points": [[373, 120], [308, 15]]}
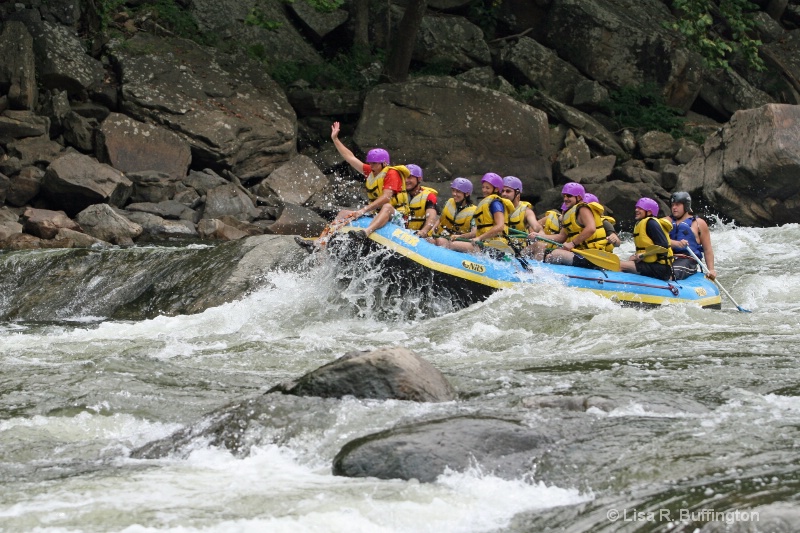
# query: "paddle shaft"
{"points": [[600, 258], [704, 268]]}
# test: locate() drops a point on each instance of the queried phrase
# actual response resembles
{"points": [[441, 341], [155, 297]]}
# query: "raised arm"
{"points": [[344, 151]]}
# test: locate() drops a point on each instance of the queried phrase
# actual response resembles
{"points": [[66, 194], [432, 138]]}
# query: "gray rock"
{"points": [[656, 144], [318, 24], [687, 150], [383, 374], [79, 132], [619, 198], [417, 121], [132, 146], [424, 451], [297, 220], [297, 181], [232, 114], [75, 181], [319, 102], [589, 95], [204, 181], [5, 184], [748, 171], [40, 151], [540, 67], [153, 186], [575, 153], [213, 228], [728, 92], [75, 239], [229, 200], [596, 170], [156, 226], [22, 124], [103, 222], [768, 29], [62, 61], [486, 77], [449, 40], [169, 209], [625, 43], [45, 224]]}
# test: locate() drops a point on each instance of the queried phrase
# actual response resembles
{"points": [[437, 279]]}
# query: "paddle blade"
{"points": [[654, 250], [600, 258]]}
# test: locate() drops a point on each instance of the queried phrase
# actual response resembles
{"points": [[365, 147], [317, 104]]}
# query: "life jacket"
{"points": [[612, 221], [455, 219], [683, 230], [552, 222], [483, 217], [573, 227], [416, 208], [641, 240], [374, 185], [516, 220]]}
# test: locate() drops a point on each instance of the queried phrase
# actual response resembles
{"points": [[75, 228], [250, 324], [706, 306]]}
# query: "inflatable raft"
{"points": [[412, 262]]}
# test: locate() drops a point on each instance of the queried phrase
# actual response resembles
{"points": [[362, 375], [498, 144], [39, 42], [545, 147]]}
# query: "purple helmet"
{"points": [[493, 179], [462, 184], [573, 189], [648, 204], [378, 155], [589, 198], [415, 171], [513, 182]]}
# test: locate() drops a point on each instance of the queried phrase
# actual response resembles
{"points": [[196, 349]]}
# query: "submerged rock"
{"points": [[424, 451], [388, 373]]}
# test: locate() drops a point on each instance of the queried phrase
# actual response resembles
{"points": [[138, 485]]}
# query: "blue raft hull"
{"points": [[473, 277]]}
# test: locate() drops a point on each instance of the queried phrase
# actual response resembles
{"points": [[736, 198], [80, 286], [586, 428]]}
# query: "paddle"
{"points": [[653, 250], [601, 258], [333, 227], [704, 268]]}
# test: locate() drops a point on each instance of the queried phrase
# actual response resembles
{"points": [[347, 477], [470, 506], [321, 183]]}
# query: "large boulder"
{"points": [[748, 171], [530, 63], [232, 114], [22, 124], [386, 373], [451, 41], [297, 181], [297, 220], [45, 224], [624, 43], [132, 146], [75, 181], [230, 200], [451, 128], [424, 451], [727, 92], [62, 62]]}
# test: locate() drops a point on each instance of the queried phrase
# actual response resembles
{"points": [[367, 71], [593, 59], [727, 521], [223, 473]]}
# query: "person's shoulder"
{"points": [[700, 222]]}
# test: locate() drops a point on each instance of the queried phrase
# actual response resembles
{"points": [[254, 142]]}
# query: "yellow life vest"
{"points": [[516, 220], [551, 225], [374, 185], [483, 217], [572, 226], [416, 208], [456, 220], [642, 240]]}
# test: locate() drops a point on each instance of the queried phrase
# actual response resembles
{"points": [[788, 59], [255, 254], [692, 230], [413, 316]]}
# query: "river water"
{"points": [[673, 419]]}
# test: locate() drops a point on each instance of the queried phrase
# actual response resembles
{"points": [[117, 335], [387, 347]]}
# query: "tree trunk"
{"points": [[360, 10], [402, 46], [775, 8]]}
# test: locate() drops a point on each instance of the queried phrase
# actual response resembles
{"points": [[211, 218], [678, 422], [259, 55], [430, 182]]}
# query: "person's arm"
{"points": [[611, 233], [587, 220], [344, 151], [377, 203], [655, 233], [708, 250], [431, 218], [497, 229], [531, 221]]}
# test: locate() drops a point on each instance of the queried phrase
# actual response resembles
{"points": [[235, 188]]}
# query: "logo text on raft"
{"points": [[405, 237], [475, 267]]}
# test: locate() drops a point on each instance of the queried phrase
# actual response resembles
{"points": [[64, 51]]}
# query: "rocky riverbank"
{"points": [[148, 137]]}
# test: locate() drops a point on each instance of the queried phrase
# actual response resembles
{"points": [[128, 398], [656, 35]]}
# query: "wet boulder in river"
{"points": [[387, 373]]}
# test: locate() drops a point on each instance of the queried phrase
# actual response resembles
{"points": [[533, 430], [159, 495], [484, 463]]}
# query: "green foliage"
{"points": [[643, 107], [526, 93], [436, 68], [323, 6], [105, 10], [257, 18], [345, 71], [719, 30], [172, 16], [484, 14]]}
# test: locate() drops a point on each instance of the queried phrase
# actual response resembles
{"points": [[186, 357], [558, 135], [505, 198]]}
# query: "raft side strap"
{"points": [[671, 288]]}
